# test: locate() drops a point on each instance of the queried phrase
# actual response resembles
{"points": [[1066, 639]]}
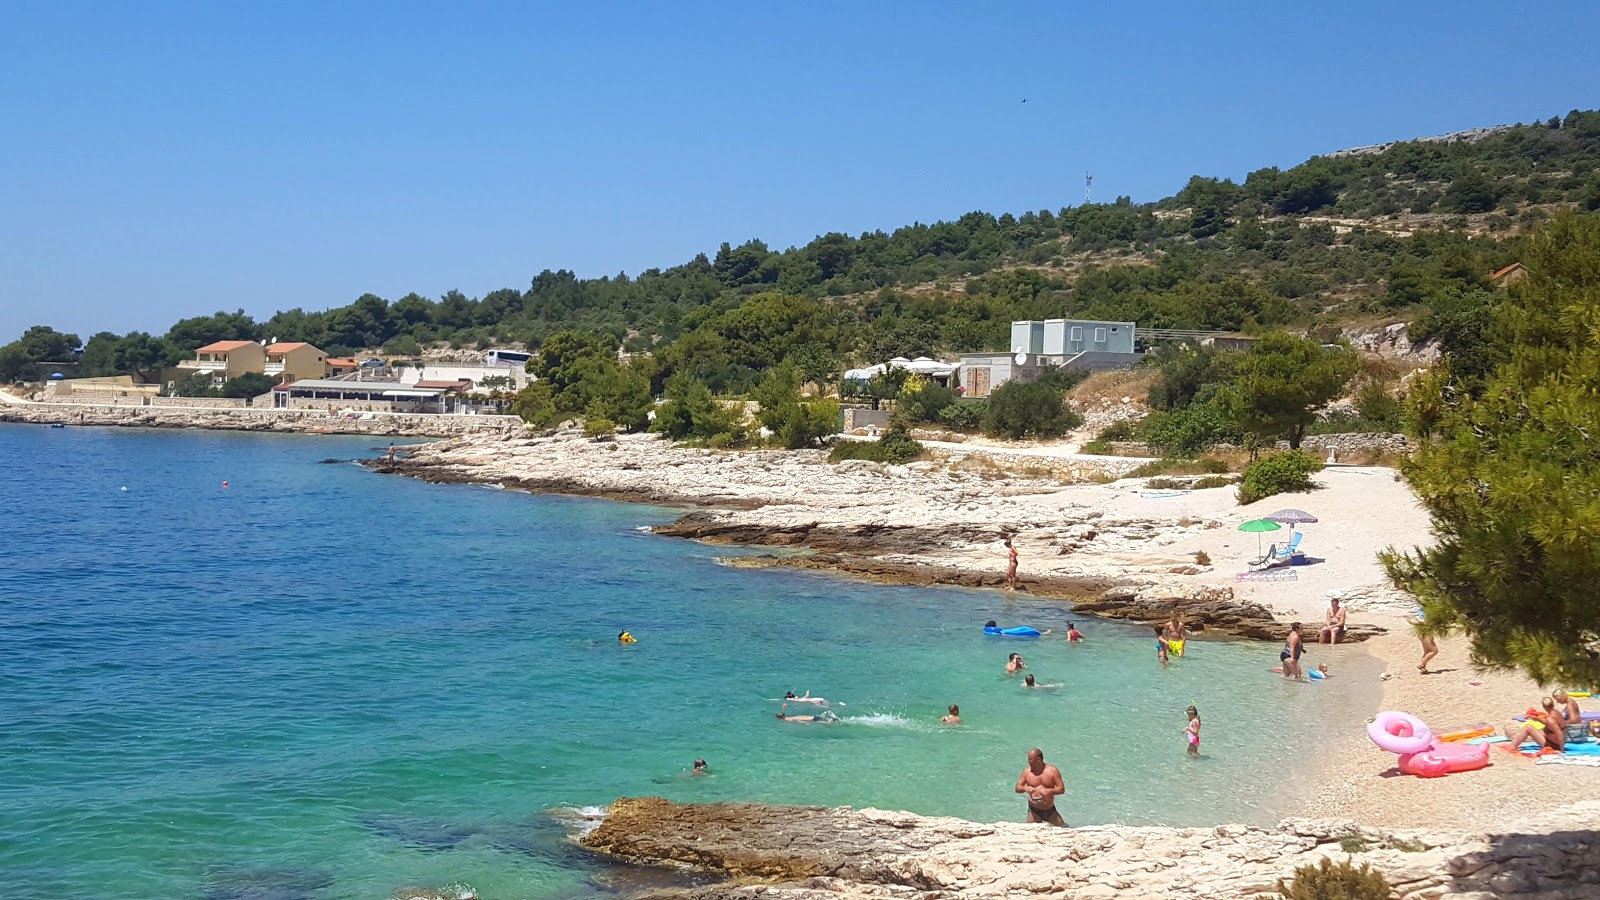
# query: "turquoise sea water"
{"points": [[321, 682]]}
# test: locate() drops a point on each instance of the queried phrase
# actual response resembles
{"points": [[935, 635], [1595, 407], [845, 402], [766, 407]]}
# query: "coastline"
{"points": [[1107, 548], [283, 421]]}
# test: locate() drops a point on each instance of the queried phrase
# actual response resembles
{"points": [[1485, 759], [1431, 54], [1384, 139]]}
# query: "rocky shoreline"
{"points": [[812, 853], [251, 419], [927, 523]]}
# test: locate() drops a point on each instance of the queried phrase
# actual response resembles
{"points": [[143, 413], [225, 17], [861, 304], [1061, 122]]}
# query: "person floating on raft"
{"points": [[990, 628], [626, 638]]}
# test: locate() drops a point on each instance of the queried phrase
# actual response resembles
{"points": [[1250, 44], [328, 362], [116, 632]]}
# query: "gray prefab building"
{"points": [[1064, 337]]}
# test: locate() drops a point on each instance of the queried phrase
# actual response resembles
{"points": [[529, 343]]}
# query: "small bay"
{"points": [[322, 682]]}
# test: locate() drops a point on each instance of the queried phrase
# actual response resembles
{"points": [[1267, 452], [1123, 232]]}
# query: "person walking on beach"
{"points": [[1289, 657], [1011, 566], [954, 718], [1430, 649], [1191, 731], [1043, 785]]}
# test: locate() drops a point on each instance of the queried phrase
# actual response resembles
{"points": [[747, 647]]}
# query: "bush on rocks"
{"points": [[964, 415], [1331, 881], [1020, 409], [896, 446], [1279, 473]]}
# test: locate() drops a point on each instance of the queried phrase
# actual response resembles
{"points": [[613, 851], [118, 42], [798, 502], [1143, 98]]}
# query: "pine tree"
{"points": [[1509, 470]]}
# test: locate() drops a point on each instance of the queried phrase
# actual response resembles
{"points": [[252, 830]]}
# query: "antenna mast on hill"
{"points": [[1088, 185]]}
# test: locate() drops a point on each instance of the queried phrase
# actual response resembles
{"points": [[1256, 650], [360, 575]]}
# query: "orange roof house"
{"points": [[227, 359], [294, 360]]}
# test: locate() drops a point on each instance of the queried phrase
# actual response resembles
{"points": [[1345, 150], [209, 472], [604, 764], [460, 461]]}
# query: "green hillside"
{"points": [[1390, 232]]}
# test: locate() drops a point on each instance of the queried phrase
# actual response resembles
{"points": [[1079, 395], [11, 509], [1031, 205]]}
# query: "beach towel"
{"points": [[1270, 575], [1586, 717], [1528, 749], [1567, 759], [1161, 494], [1491, 739]]}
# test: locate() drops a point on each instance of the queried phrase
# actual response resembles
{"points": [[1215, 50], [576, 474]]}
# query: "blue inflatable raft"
{"points": [[1019, 631]]}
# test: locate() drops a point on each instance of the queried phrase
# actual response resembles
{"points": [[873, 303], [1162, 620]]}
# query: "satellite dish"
{"points": [[1021, 357]]}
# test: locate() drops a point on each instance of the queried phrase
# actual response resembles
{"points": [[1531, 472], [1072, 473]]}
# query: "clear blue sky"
{"points": [[159, 160]]}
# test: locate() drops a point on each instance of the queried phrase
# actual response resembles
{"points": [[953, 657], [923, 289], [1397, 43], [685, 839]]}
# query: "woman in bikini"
{"points": [[1011, 566]]}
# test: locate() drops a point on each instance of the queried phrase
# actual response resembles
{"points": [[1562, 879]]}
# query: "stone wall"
{"points": [[863, 417], [274, 420], [1355, 441], [201, 402]]}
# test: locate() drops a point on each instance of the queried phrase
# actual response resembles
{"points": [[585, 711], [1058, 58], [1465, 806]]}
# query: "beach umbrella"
{"points": [[1257, 526], [1292, 517]]}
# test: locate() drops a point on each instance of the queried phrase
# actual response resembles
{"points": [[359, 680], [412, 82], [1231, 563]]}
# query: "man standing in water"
{"points": [[1043, 785]]}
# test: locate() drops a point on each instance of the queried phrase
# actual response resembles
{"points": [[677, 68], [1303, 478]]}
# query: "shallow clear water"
{"points": [[322, 682]]}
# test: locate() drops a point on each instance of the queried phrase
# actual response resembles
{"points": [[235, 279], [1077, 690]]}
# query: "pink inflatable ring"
{"points": [[1400, 733]]}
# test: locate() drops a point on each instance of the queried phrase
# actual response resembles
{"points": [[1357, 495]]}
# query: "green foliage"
{"points": [[196, 385], [41, 343], [1283, 381], [1191, 429], [1278, 473], [691, 413], [403, 345], [536, 405], [1208, 482], [1029, 409], [1376, 405], [578, 375], [595, 426], [1459, 323], [193, 333], [794, 422], [1508, 472], [1335, 881], [140, 354], [895, 446], [248, 385], [964, 415], [922, 401], [1186, 369]]}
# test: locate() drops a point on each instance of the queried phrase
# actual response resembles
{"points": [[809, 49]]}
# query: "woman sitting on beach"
{"points": [[1544, 729], [1014, 664]]}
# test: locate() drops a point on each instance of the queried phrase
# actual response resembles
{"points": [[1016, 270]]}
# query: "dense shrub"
{"points": [[1211, 465], [1120, 430], [690, 413], [1189, 430], [1335, 881], [1097, 447], [920, 400], [793, 421], [964, 415], [1212, 481], [1278, 473], [895, 446], [1033, 409]]}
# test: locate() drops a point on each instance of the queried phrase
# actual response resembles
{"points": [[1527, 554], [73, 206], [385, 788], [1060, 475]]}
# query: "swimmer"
{"points": [[805, 698], [1323, 670], [1073, 634], [699, 767], [626, 638], [825, 718], [1028, 682], [954, 718], [1043, 785], [1014, 664], [1192, 731], [1161, 643]]}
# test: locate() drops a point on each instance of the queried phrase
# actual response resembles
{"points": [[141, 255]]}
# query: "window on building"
{"points": [[1077, 333], [1099, 335]]}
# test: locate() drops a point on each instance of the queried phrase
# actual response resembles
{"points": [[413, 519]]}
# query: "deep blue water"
{"points": [[322, 682]]}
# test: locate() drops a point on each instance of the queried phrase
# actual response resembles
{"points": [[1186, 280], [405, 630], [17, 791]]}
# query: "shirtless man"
{"points": [[1333, 627], [827, 718], [1571, 715], [1014, 664], [954, 718], [1043, 785]]}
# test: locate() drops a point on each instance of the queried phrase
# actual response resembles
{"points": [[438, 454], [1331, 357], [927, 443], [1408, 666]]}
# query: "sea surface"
{"points": [[321, 682]]}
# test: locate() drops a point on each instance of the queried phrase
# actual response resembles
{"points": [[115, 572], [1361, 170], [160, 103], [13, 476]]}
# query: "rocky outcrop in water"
{"points": [[811, 853]]}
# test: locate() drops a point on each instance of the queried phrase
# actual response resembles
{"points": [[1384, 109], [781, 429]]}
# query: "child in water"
{"points": [[1161, 643], [1192, 731]]}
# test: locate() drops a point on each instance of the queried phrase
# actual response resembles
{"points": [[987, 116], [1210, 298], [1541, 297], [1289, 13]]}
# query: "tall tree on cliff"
{"points": [[1509, 471]]}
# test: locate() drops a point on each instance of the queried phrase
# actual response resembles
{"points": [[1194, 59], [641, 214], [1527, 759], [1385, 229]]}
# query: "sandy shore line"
{"points": [[943, 522]]}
